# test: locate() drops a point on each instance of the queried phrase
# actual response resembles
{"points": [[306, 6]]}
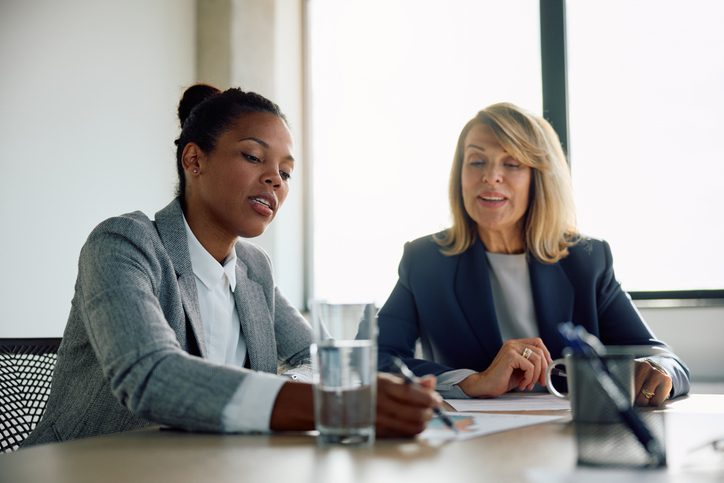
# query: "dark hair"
{"points": [[205, 113]]}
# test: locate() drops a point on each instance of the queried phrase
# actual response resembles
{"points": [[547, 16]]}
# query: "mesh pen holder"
{"points": [[602, 437]]}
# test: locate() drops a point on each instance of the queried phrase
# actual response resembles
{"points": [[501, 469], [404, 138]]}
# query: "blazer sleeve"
{"points": [[620, 323], [120, 285], [399, 325], [294, 337]]}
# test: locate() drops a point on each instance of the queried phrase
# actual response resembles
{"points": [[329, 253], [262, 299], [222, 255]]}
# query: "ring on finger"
{"points": [[527, 352], [647, 394]]}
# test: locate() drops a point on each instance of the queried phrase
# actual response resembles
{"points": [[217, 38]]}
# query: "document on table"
{"points": [[472, 425], [546, 402]]}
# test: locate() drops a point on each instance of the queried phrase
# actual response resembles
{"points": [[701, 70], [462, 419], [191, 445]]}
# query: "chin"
{"points": [[252, 232]]}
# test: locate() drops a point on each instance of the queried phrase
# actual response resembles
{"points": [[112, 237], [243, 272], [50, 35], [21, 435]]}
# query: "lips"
{"points": [[264, 203], [492, 199]]}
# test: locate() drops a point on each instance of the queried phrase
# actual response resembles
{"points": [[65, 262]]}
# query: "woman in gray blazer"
{"points": [[176, 321]]}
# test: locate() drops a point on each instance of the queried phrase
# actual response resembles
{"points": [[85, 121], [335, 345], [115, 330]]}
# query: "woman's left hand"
{"points": [[651, 385]]}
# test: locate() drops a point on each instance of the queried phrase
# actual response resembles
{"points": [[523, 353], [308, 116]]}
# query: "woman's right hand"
{"points": [[403, 410], [510, 369]]}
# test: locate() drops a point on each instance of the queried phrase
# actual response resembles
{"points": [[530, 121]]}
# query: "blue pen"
{"points": [[613, 390], [405, 373]]}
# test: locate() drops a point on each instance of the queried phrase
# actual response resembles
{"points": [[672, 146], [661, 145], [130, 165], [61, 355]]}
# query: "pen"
{"points": [[405, 373]]}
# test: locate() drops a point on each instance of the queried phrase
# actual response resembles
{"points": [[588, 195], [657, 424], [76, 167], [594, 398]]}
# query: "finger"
{"points": [[407, 415], [408, 394], [428, 382], [661, 394], [655, 388], [542, 363], [540, 367], [641, 374], [662, 384], [534, 359], [528, 368], [388, 426], [537, 342]]}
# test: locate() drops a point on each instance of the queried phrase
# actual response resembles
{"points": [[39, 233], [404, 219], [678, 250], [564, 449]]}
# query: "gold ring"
{"points": [[647, 394], [527, 352]]}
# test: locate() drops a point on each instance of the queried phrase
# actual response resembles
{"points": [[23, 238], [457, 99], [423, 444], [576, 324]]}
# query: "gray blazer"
{"points": [[133, 351]]}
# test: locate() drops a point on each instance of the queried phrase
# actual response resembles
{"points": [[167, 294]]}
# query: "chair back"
{"points": [[26, 371]]}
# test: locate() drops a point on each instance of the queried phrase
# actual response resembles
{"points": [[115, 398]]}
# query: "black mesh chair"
{"points": [[26, 370]]}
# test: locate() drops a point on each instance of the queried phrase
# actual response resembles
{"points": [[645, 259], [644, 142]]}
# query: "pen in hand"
{"points": [[405, 373]]}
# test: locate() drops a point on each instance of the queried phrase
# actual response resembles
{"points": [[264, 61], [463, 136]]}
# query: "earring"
{"points": [[196, 170]]}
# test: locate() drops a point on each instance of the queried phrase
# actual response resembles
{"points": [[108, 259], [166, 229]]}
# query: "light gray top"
{"points": [[512, 295]]}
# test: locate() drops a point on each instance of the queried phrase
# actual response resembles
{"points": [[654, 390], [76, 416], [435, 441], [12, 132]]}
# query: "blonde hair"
{"points": [[550, 220]]}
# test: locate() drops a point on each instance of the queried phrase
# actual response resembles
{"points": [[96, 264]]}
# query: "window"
{"points": [[393, 83], [646, 96]]}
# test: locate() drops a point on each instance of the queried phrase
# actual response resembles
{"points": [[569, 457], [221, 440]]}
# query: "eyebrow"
{"points": [[257, 140], [481, 149], [263, 143]]}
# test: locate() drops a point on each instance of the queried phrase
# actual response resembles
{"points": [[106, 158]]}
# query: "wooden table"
{"points": [[546, 451]]}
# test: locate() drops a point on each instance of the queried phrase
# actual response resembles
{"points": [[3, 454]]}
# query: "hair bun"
{"points": [[194, 96]]}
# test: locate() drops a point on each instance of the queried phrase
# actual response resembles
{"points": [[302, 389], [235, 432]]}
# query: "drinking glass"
{"points": [[344, 356]]}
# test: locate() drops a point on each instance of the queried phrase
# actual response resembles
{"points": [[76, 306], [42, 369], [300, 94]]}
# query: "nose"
{"points": [[493, 174], [272, 177]]}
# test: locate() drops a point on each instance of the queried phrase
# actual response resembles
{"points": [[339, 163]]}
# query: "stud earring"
{"points": [[196, 170]]}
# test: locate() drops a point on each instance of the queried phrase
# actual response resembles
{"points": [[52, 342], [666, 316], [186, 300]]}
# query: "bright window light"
{"points": [[646, 92], [393, 83]]}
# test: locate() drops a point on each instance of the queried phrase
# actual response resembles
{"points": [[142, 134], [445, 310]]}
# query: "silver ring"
{"points": [[527, 352]]}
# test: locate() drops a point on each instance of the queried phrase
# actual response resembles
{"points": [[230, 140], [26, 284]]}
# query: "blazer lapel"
{"points": [[475, 296], [256, 321], [171, 229], [553, 295]]}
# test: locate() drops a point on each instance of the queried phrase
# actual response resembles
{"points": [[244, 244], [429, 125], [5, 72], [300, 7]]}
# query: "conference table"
{"points": [[539, 453]]}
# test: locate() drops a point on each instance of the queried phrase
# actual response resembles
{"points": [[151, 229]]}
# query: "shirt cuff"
{"points": [[250, 409], [446, 383], [302, 373]]}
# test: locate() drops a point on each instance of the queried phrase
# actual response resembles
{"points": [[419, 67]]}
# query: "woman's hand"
{"points": [[403, 410], [510, 369], [652, 386]]}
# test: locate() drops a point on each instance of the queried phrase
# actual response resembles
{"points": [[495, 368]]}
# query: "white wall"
{"points": [[695, 334], [88, 92]]}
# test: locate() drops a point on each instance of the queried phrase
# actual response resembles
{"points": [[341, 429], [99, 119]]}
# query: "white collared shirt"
{"points": [[251, 406]]}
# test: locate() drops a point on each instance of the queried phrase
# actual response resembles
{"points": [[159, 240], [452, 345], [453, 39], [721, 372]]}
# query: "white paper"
{"points": [[472, 425], [545, 402]]}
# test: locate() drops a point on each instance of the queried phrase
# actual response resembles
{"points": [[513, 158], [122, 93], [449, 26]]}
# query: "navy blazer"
{"points": [[447, 302]]}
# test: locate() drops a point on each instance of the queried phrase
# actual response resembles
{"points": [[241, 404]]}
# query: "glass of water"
{"points": [[344, 355]]}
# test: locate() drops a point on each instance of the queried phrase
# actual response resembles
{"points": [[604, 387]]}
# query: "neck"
{"points": [[508, 242], [217, 242]]}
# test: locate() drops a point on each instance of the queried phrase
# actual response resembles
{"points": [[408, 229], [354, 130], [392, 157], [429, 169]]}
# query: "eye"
{"points": [[285, 176], [511, 163], [476, 162], [251, 158]]}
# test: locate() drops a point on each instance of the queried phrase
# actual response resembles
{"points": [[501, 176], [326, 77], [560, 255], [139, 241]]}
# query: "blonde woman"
{"points": [[485, 297]]}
